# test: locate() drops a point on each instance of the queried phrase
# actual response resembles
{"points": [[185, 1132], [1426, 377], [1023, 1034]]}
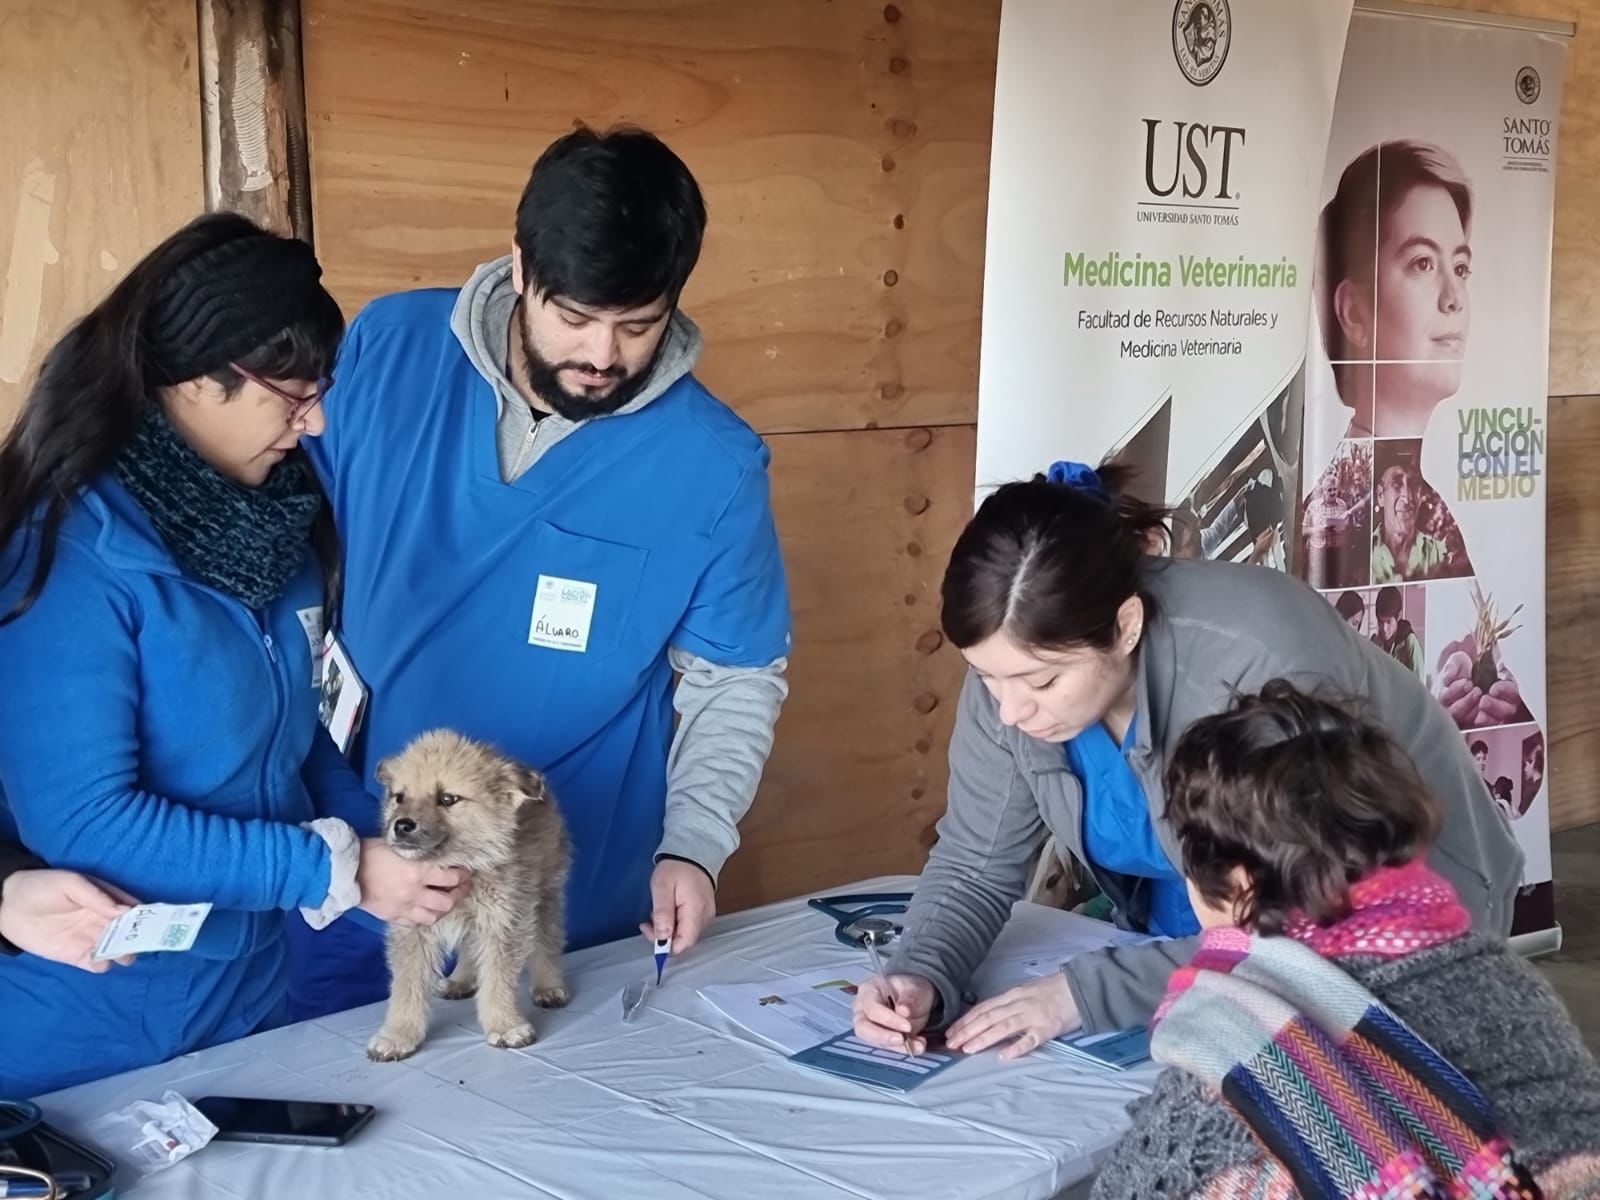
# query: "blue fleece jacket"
{"points": [[162, 736]]}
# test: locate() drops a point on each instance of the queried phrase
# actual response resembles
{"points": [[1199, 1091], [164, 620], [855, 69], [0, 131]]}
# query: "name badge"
{"points": [[562, 612]]}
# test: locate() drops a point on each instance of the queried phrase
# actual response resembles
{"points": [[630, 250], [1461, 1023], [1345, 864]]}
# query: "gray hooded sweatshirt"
{"points": [[726, 714]]}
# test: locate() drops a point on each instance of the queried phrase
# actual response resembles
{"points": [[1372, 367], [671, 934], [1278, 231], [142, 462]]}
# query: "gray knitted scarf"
{"points": [[247, 542]]}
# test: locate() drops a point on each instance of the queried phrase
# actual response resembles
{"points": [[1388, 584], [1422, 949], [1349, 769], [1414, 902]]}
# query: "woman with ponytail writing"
{"points": [[1089, 654]]}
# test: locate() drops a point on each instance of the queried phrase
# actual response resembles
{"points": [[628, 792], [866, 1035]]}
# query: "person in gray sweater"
{"points": [[1089, 655], [1341, 1030]]}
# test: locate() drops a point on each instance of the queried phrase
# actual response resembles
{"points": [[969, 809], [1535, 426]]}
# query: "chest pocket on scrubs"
{"points": [[582, 593]]}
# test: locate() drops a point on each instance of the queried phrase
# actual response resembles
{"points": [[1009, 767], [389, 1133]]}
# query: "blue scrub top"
{"points": [[1117, 832]]}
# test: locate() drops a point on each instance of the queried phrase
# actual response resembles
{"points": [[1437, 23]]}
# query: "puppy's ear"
{"points": [[528, 786], [384, 773]]}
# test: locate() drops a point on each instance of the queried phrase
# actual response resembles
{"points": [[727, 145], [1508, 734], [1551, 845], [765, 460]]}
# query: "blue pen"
{"points": [[663, 948]]}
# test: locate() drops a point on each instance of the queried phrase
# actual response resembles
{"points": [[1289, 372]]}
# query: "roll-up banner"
{"points": [[1426, 381]]}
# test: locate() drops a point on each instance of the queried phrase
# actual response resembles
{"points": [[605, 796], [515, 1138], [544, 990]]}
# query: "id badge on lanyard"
{"points": [[344, 695]]}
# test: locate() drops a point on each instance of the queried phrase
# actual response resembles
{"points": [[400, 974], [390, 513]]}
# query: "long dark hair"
{"points": [[1051, 563], [95, 384]]}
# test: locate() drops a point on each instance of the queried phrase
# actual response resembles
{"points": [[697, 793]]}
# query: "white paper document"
{"points": [[805, 1010], [151, 927], [795, 1013]]}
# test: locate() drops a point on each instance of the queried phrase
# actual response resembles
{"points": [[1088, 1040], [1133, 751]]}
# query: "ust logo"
{"points": [[1200, 154]]}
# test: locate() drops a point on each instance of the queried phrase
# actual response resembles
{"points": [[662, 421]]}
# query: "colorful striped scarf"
{"points": [[1349, 1101]]}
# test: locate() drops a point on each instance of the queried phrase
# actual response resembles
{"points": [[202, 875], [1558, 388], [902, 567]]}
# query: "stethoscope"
{"points": [[867, 917], [19, 1119]]}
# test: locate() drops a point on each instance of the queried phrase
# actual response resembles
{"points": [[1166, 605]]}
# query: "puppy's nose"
{"points": [[405, 827]]}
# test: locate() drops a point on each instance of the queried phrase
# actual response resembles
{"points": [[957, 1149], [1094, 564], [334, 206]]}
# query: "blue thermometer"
{"points": [[66, 1184]]}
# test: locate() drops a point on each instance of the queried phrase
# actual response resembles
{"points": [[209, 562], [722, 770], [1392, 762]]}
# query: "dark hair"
{"points": [[1303, 794], [97, 381], [1388, 603], [1350, 604], [611, 220], [1480, 745], [1352, 219], [1051, 563]]}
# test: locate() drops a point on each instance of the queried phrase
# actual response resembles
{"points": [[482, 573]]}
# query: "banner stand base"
{"points": [[1537, 943]]}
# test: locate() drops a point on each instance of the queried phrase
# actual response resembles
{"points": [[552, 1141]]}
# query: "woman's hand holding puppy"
{"points": [[412, 893]]}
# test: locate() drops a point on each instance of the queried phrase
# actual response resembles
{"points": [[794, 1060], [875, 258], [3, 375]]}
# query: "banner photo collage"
{"points": [[1426, 378]]}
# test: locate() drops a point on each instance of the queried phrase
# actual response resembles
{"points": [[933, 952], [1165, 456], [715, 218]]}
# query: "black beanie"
{"points": [[222, 305]]}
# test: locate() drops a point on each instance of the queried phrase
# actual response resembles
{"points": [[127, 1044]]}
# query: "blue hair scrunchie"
{"points": [[1078, 475]]}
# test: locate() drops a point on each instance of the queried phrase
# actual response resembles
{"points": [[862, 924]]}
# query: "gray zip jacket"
{"points": [[726, 714], [1215, 628]]}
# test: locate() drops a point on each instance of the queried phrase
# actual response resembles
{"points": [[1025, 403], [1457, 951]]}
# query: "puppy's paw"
{"points": [[552, 997], [510, 1039], [384, 1048], [455, 989]]}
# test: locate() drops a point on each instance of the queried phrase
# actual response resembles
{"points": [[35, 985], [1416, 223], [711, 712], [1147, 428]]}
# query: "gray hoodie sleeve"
{"points": [[726, 717], [1120, 987], [979, 866]]}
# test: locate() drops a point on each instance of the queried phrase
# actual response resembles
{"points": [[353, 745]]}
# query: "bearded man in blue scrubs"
{"points": [[546, 520]]}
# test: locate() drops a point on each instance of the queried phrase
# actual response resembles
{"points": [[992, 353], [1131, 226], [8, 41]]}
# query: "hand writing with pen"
{"points": [[1020, 1019]]}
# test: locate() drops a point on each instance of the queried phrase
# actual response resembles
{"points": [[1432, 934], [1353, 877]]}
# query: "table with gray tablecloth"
{"points": [[679, 1102]]}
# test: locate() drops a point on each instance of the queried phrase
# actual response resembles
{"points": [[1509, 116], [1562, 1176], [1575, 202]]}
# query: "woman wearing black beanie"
{"points": [[166, 560]]}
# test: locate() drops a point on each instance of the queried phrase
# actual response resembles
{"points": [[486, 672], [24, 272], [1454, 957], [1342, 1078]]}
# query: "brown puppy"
{"points": [[456, 802]]}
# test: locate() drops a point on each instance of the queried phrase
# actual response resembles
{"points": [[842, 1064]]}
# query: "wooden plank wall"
{"points": [[843, 146], [99, 154]]}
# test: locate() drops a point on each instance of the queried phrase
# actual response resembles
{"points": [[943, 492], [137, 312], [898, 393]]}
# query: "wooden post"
{"points": [[254, 103]]}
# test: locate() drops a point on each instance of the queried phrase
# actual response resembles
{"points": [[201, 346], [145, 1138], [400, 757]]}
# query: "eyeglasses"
{"points": [[299, 406]]}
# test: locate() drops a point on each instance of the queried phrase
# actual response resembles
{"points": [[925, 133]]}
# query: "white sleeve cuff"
{"points": [[344, 850]]}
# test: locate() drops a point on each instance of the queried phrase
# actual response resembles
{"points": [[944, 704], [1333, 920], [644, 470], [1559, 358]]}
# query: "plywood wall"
{"points": [[843, 148], [99, 157]]}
